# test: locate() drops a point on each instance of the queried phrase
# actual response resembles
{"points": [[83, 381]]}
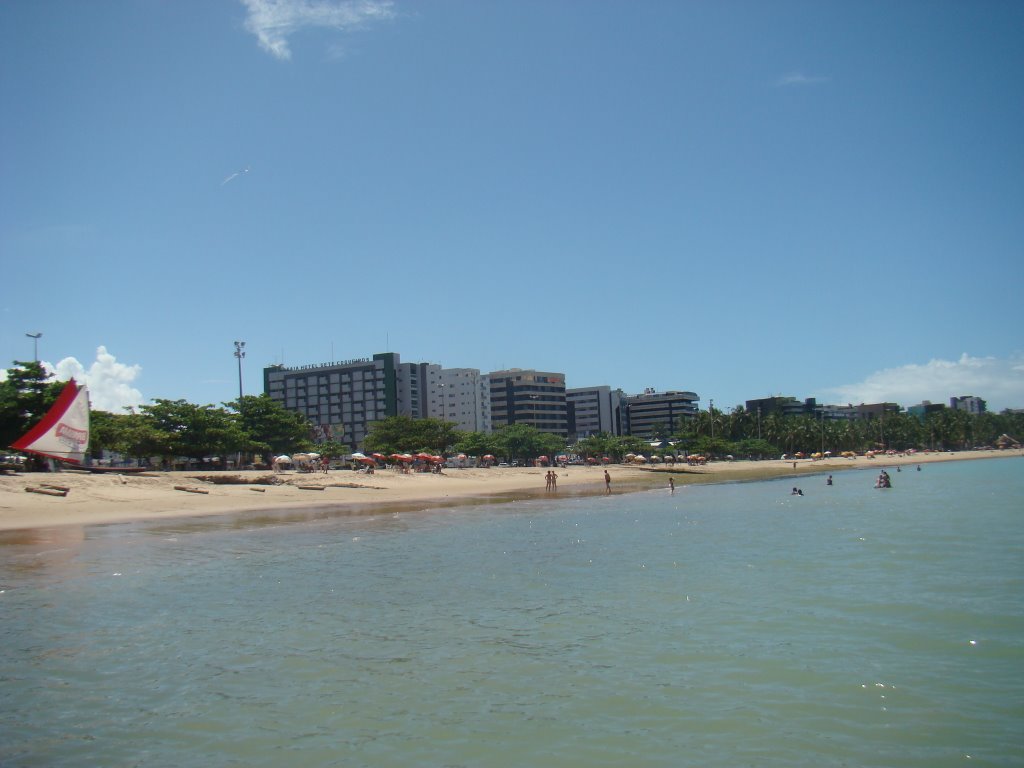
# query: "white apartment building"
{"points": [[459, 395]]}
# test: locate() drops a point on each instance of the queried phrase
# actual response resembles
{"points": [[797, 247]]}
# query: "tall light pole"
{"points": [[239, 353], [711, 413], [35, 344]]}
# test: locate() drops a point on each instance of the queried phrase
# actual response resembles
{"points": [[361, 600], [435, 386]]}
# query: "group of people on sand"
{"points": [[551, 479]]}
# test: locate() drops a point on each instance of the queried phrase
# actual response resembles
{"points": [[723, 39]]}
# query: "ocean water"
{"points": [[730, 625]]}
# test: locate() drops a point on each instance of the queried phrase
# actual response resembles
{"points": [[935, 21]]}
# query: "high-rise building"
{"points": [[659, 411], [968, 403], [341, 399], [595, 410], [414, 384], [534, 398], [782, 405], [462, 396]]}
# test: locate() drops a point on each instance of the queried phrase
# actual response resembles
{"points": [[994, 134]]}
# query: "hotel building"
{"points": [[341, 399]]}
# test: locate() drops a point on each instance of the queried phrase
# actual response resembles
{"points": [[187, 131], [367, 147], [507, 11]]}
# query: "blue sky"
{"points": [[739, 198]]}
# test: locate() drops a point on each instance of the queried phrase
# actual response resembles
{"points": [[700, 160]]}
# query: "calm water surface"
{"points": [[729, 625]]}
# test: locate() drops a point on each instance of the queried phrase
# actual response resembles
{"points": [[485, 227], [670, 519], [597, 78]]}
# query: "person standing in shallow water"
{"points": [[672, 486], [829, 481]]}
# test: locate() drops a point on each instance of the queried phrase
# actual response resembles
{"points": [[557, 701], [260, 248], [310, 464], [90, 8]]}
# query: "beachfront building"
{"points": [[659, 412], [782, 405], [413, 382], [534, 398], [871, 410], [923, 408], [970, 403], [461, 396], [595, 410], [341, 399]]}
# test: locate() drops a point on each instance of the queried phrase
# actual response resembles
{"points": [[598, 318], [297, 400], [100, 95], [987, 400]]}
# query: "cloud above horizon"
{"points": [[109, 382], [274, 21], [1000, 382]]}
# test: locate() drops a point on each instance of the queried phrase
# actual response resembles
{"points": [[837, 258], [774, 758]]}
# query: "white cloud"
{"points": [[273, 21], [109, 381], [798, 78], [1000, 382]]}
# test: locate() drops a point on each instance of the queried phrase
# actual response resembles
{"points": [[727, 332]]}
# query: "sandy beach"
{"points": [[109, 498]]}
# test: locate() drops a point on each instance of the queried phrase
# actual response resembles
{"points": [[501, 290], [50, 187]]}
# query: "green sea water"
{"points": [[731, 625]]}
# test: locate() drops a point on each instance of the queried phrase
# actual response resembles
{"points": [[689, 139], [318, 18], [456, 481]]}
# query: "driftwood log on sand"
{"points": [[187, 489], [46, 491]]}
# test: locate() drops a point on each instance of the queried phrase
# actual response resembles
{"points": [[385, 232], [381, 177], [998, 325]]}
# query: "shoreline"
{"points": [[110, 498]]}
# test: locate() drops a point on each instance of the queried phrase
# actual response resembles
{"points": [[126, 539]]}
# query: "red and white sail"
{"points": [[63, 432]]}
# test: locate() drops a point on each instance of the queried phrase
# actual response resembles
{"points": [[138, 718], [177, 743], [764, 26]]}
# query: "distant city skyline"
{"points": [[816, 199], [113, 384]]}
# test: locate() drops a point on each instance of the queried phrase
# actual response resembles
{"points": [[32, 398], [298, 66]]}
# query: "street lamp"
{"points": [[711, 414], [239, 353], [35, 344]]}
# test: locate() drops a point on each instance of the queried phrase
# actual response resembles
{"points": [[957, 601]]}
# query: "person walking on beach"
{"points": [[607, 482], [671, 487], [554, 481]]}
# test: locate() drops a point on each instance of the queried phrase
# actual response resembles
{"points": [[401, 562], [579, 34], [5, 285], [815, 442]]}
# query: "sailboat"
{"points": [[63, 433]]}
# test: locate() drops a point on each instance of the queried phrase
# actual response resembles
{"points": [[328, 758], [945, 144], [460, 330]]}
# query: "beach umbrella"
{"points": [[488, 457], [358, 455], [283, 459]]}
